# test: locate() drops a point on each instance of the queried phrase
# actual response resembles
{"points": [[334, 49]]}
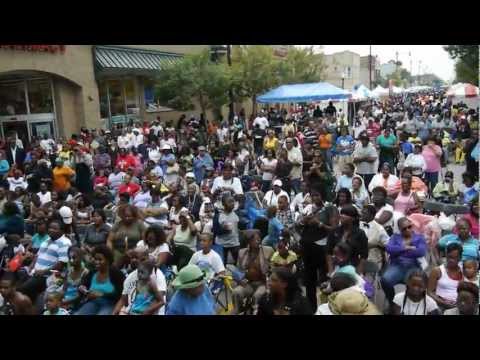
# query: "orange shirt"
{"points": [[325, 141], [61, 178]]}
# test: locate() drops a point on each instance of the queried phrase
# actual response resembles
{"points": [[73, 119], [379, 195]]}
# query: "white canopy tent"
{"points": [[380, 92]]}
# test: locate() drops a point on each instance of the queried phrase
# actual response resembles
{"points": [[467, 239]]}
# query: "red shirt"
{"points": [[130, 188], [125, 162], [100, 180]]}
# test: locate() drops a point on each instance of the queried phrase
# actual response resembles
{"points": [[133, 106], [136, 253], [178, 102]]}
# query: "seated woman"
{"points": [[405, 250], [284, 257], [406, 201], [285, 296], [360, 196], [376, 234], [472, 217], [443, 281], [467, 300], [384, 179], [253, 261], [469, 244], [418, 186], [343, 199], [183, 240], [446, 189], [156, 245], [76, 272], [414, 300], [469, 189], [384, 214], [102, 288]]}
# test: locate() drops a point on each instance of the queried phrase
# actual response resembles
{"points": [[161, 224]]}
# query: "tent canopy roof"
{"points": [[304, 93]]}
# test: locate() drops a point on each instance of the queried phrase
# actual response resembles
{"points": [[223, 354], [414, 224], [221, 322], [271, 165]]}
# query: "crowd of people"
{"points": [[293, 212]]}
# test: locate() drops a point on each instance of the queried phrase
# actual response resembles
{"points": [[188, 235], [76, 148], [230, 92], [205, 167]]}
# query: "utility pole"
{"points": [[396, 63], [370, 68]]}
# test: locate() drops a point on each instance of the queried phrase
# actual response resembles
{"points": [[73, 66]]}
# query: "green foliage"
{"points": [[302, 65], [466, 66], [194, 78]]}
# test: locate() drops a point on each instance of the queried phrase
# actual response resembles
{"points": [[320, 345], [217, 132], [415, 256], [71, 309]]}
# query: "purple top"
{"points": [[402, 257]]}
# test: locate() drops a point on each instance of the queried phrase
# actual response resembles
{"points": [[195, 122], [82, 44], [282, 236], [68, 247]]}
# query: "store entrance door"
{"points": [[20, 127]]}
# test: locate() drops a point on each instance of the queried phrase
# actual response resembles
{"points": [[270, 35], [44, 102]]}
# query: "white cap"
{"points": [[66, 214], [277, 183], [190, 175], [166, 147]]}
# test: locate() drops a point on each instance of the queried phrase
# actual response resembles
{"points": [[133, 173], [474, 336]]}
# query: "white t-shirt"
{"points": [[154, 155], [389, 208], [268, 175], [45, 198], [153, 254], [14, 183], [115, 180], [233, 184], [413, 308], [130, 284], [261, 121], [271, 199], [211, 263]]}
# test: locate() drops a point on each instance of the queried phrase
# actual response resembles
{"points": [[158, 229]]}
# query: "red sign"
{"points": [[36, 48]]}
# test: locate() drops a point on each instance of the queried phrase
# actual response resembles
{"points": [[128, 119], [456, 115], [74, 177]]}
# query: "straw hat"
{"points": [[351, 302]]}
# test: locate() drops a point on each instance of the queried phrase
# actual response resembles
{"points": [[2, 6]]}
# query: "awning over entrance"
{"points": [[115, 59]]}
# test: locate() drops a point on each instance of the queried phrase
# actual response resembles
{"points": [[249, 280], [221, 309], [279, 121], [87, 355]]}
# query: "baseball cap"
{"points": [[166, 147], [190, 175], [277, 183], [66, 214]]}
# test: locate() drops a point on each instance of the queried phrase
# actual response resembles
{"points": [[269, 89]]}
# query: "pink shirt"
{"points": [[432, 160], [404, 203]]}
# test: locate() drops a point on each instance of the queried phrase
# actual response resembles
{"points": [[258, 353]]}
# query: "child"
{"points": [[284, 257], [53, 303], [146, 299], [470, 272], [76, 271], [414, 300], [207, 259]]}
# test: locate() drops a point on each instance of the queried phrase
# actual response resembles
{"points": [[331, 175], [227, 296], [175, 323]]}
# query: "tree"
{"points": [[196, 77], [255, 70], [302, 65], [466, 66]]}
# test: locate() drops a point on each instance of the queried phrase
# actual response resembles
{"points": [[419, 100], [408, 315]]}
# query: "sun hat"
{"points": [[351, 302], [66, 214], [191, 276], [277, 183]]}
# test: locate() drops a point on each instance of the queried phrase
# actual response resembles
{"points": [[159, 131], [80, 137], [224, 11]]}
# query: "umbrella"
{"points": [[463, 90]]}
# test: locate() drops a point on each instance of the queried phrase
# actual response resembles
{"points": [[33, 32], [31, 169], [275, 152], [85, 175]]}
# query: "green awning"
{"points": [[115, 58]]}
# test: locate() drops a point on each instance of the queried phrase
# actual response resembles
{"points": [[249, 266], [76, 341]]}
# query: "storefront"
{"points": [[27, 107]]}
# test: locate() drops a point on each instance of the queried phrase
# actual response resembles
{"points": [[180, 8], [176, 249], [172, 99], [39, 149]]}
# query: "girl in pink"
{"points": [[407, 201], [432, 154]]}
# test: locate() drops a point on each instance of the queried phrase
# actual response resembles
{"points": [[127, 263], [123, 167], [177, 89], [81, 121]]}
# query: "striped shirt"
{"points": [[52, 252]]}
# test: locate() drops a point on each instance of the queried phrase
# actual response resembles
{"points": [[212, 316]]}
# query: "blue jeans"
{"points": [[96, 307], [394, 274], [431, 180], [295, 184]]}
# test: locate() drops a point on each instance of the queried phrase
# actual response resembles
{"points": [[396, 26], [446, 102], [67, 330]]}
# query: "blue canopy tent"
{"points": [[304, 93]]}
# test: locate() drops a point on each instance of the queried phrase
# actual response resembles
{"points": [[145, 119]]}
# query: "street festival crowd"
{"points": [[295, 211]]}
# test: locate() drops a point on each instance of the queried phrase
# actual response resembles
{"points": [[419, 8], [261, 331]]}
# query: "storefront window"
{"points": [[12, 99], [131, 97], [40, 96], [103, 95], [117, 101]]}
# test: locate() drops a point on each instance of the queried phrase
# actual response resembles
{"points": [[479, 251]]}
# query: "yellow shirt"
{"points": [[61, 178], [415, 140], [270, 144], [280, 261]]}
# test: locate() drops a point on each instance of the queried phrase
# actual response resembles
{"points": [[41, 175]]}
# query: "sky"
{"points": [[433, 58]]}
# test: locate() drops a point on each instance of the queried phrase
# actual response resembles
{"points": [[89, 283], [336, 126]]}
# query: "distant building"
{"points": [[387, 69], [343, 69], [365, 70]]}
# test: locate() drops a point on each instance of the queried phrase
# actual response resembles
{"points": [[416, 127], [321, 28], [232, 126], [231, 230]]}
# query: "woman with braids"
{"points": [[414, 300]]}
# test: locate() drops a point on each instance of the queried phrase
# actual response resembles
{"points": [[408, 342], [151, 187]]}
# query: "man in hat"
{"points": [[192, 296], [271, 197], [200, 163], [166, 157]]}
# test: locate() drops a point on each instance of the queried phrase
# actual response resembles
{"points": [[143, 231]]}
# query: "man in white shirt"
{"points": [[296, 158], [115, 179], [47, 144], [157, 128], [271, 197], [123, 141], [137, 138], [154, 154], [376, 234], [261, 121], [207, 259], [365, 157], [44, 195], [227, 182]]}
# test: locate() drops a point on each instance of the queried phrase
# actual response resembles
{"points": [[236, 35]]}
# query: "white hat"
{"points": [[190, 175], [66, 214], [277, 183], [166, 147]]}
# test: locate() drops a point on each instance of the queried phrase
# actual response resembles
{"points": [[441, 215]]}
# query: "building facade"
{"points": [[387, 69], [369, 70], [57, 89], [343, 69]]}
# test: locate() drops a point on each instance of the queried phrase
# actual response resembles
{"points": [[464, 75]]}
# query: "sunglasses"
{"points": [[407, 227]]}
